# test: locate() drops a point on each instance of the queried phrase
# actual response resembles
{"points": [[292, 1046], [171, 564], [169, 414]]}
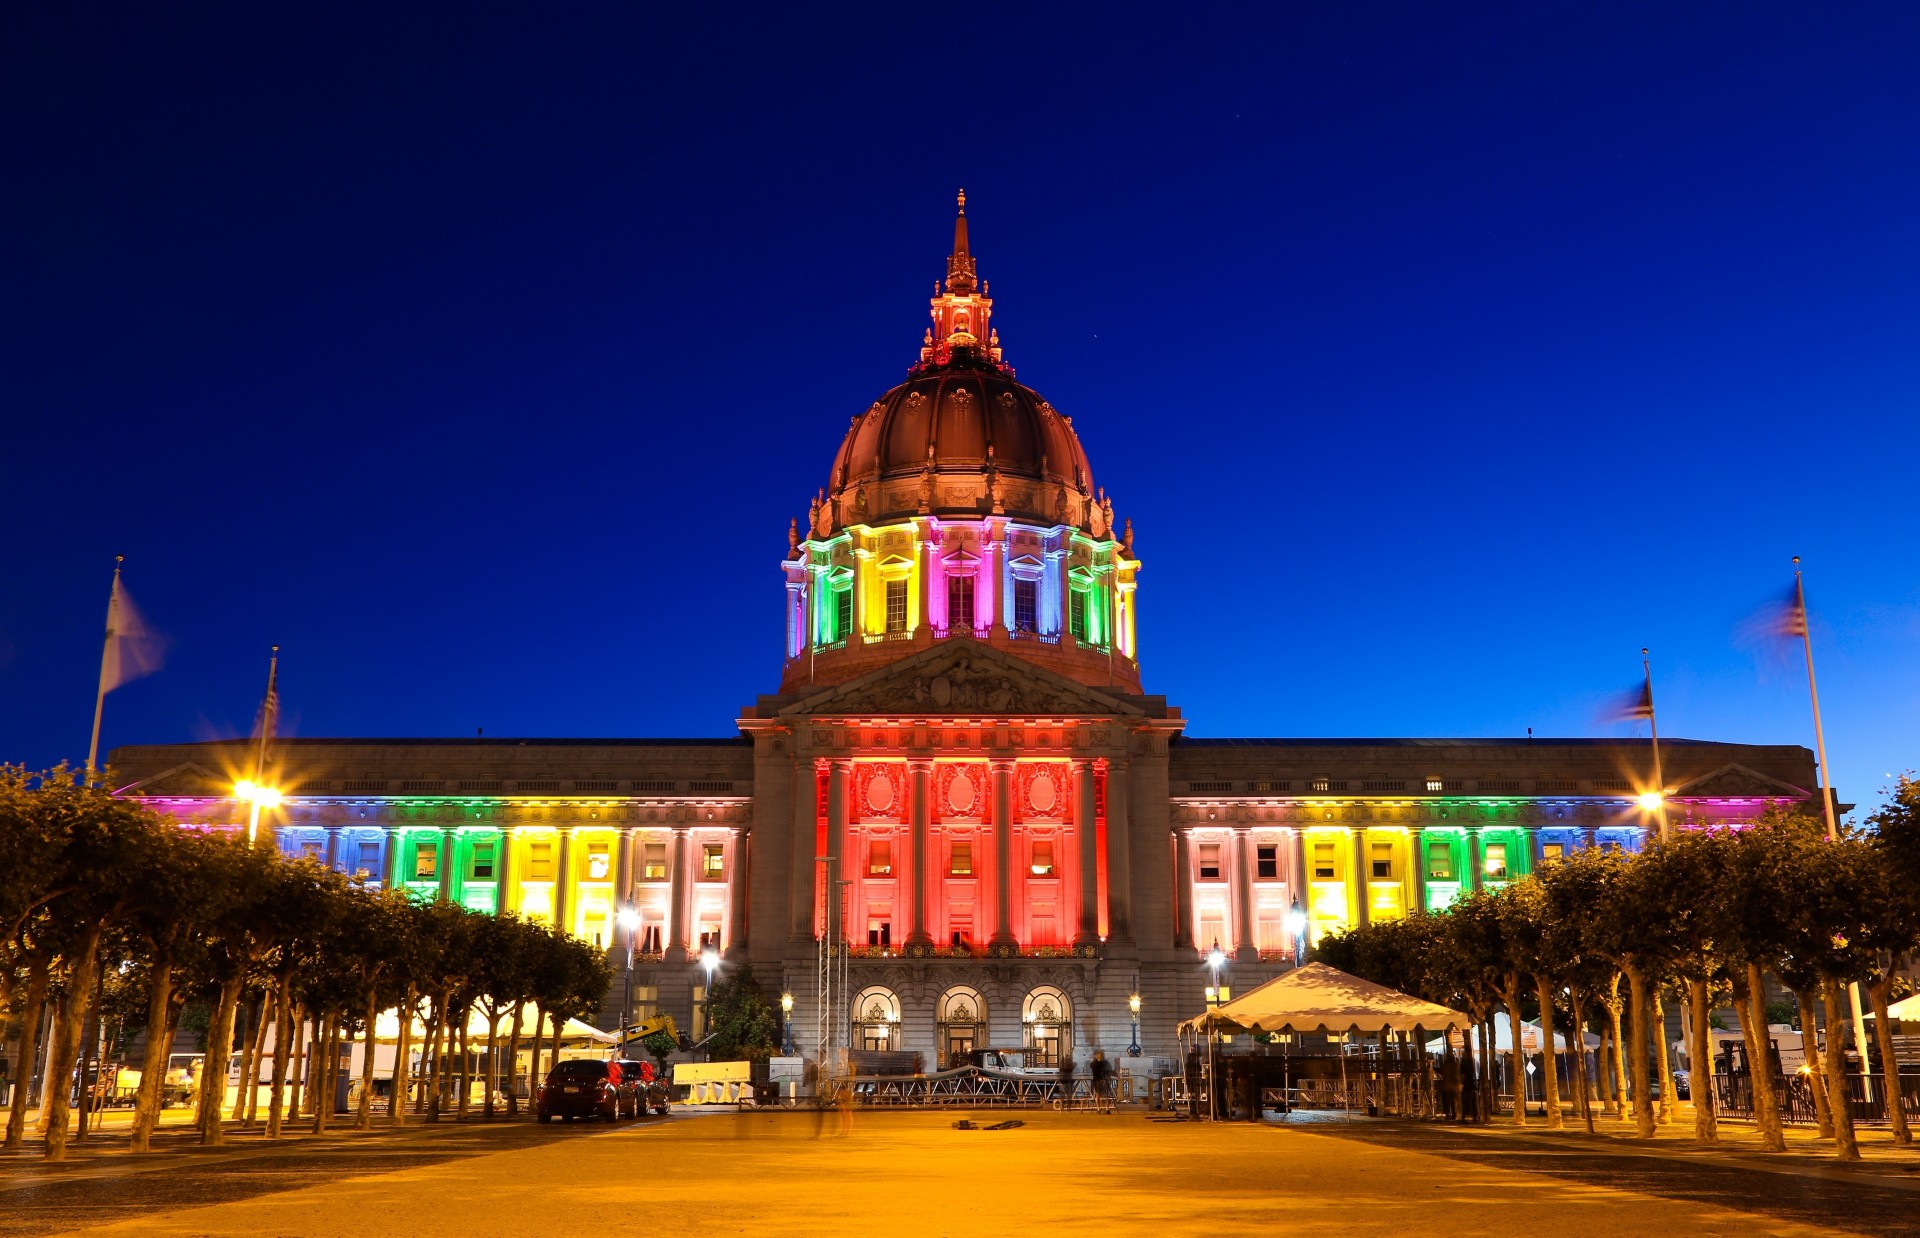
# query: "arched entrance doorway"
{"points": [[876, 1020], [960, 1025], [1046, 1020]]}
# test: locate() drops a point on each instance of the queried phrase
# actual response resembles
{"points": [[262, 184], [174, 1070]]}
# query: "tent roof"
{"points": [[387, 1028], [1321, 998], [1530, 1037], [1907, 1010]]}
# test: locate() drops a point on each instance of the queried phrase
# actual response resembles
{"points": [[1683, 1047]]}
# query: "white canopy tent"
{"points": [[386, 1029], [1907, 1011], [1321, 998], [1529, 1036]]}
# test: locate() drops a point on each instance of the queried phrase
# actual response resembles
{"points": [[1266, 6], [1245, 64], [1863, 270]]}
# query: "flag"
{"points": [[1790, 615], [265, 724], [1636, 703], [133, 648]]}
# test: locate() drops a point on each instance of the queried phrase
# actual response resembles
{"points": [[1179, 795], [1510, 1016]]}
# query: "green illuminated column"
{"points": [[447, 891], [1476, 861]]}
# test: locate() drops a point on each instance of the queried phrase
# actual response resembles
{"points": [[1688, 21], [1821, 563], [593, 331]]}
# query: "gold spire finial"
{"points": [[963, 201]]}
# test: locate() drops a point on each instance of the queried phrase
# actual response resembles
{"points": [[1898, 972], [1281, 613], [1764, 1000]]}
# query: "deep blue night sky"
{"points": [[1441, 360]]}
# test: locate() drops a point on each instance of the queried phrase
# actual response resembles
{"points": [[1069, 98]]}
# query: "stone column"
{"points": [[563, 884], [1589, 838], [838, 774], [678, 897], [919, 818], [1002, 768], [737, 888], [1119, 856], [1536, 854], [504, 899], [623, 870], [1182, 890], [1246, 950], [1419, 862], [1301, 890], [803, 889], [446, 865], [333, 847], [1476, 862], [392, 856], [1358, 913], [1085, 830]]}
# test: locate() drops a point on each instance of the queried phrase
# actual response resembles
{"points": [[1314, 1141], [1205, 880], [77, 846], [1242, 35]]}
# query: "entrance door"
{"points": [[960, 1042]]}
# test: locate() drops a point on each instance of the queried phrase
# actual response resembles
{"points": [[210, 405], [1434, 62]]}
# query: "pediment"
{"points": [[189, 778], [1736, 779], [961, 676]]}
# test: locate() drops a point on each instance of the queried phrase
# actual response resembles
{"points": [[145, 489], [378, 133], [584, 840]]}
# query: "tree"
{"points": [[745, 1025], [1895, 837]]}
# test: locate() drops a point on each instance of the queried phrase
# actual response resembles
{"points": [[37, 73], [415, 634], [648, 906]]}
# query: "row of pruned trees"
{"points": [[95, 889], [1602, 939]]}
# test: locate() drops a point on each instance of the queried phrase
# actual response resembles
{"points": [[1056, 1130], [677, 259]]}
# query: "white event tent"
{"points": [[1319, 998]]}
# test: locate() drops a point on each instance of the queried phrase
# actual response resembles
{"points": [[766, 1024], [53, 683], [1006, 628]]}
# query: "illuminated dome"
{"points": [[960, 505]]}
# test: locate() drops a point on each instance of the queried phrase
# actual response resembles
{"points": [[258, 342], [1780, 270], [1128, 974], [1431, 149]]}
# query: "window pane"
{"points": [[483, 862], [599, 864], [1381, 855], [1439, 862], [1026, 598], [1042, 859], [426, 862], [896, 606], [879, 857], [959, 602], [1267, 858], [715, 865], [842, 614], [540, 862], [1497, 861], [1209, 861], [960, 863], [1077, 614], [655, 863], [1323, 861]]}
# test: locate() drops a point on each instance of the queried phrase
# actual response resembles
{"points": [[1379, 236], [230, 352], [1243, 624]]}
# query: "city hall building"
{"points": [[960, 821]]}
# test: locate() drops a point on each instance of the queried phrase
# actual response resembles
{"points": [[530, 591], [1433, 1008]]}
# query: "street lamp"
{"points": [[1133, 1007], [709, 959], [629, 919], [1651, 801], [786, 1012], [1297, 929], [258, 797]]}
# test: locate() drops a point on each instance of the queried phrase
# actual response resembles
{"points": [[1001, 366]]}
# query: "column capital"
{"points": [[998, 762], [920, 765]]}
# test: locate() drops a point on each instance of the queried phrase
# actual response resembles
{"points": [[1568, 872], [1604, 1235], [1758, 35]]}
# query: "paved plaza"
{"points": [[912, 1173]]}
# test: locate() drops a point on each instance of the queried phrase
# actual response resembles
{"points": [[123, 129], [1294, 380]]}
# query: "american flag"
{"points": [[1636, 704]]}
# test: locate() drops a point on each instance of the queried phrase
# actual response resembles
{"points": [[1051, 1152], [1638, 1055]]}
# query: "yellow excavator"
{"points": [[658, 1094]]}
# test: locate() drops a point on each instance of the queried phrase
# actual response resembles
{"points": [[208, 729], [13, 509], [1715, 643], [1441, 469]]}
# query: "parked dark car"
{"points": [[581, 1088], [642, 1089]]}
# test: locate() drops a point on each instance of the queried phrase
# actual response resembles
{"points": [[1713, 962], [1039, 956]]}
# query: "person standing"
{"points": [[1066, 1077], [1102, 1072]]}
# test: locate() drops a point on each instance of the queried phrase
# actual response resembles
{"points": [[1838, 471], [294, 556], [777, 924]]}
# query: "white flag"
{"points": [[133, 648]]}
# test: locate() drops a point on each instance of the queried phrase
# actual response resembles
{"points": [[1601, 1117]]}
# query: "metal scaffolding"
{"points": [[830, 970]]}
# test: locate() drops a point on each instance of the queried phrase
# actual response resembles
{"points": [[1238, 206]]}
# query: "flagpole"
{"points": [[106, 654], [1659, 780], [1825, 781], [267, 709]]}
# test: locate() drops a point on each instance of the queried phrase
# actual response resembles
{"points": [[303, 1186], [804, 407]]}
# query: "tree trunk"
{"points": [[493, 1063], [251, 1080], [1658, 1023], [465, 1082], [213, 1070], [1516, 1055], [1580, 1056], [534, 1077], [369, 1043], [1549, 1060], [1839, 1094], [64, 1047], [1816, 1073], [153, 1062], [31, 1017], [249, 1053], [1619, 1076], [326, 1052], [282, 1050], [1636, 1052], [429, 1046], [1706, 1126], [512, 1071], [1877, 993], [297, 1070], [1766, 1101], [402, 1066]]}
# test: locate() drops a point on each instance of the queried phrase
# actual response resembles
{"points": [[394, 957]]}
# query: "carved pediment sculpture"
{"points": [[1735, 779]]}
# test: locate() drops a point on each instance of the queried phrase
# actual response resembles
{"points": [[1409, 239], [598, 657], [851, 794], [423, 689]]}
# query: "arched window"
{"points": [[1046, 1020], [961, 1025], [876, 1019]]}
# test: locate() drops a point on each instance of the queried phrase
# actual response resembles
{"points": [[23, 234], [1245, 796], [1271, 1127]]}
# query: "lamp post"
{"points": [[629, 919], [786, 1012], [1133, 1008], [257, 797], [1216, 959], [709, 959], [1297, 929]]}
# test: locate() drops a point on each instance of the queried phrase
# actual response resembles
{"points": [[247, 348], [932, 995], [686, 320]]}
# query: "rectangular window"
{"points": [[310, 850], [713, 864], [960, 859], [959, 603], [879, 933], [880, 858], [1552, 852], [896, 606], [1209, 861], [540, 861], [1266, 859], [1323, 861], [653, 864], [1321, 784], [599, 863], [369, 859], [1042, 865], [1439, 862], [426, 861], [1077, 614], [483, 861], [842, 613], [1381, 856], [1026, 604], [1497, 861]]}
